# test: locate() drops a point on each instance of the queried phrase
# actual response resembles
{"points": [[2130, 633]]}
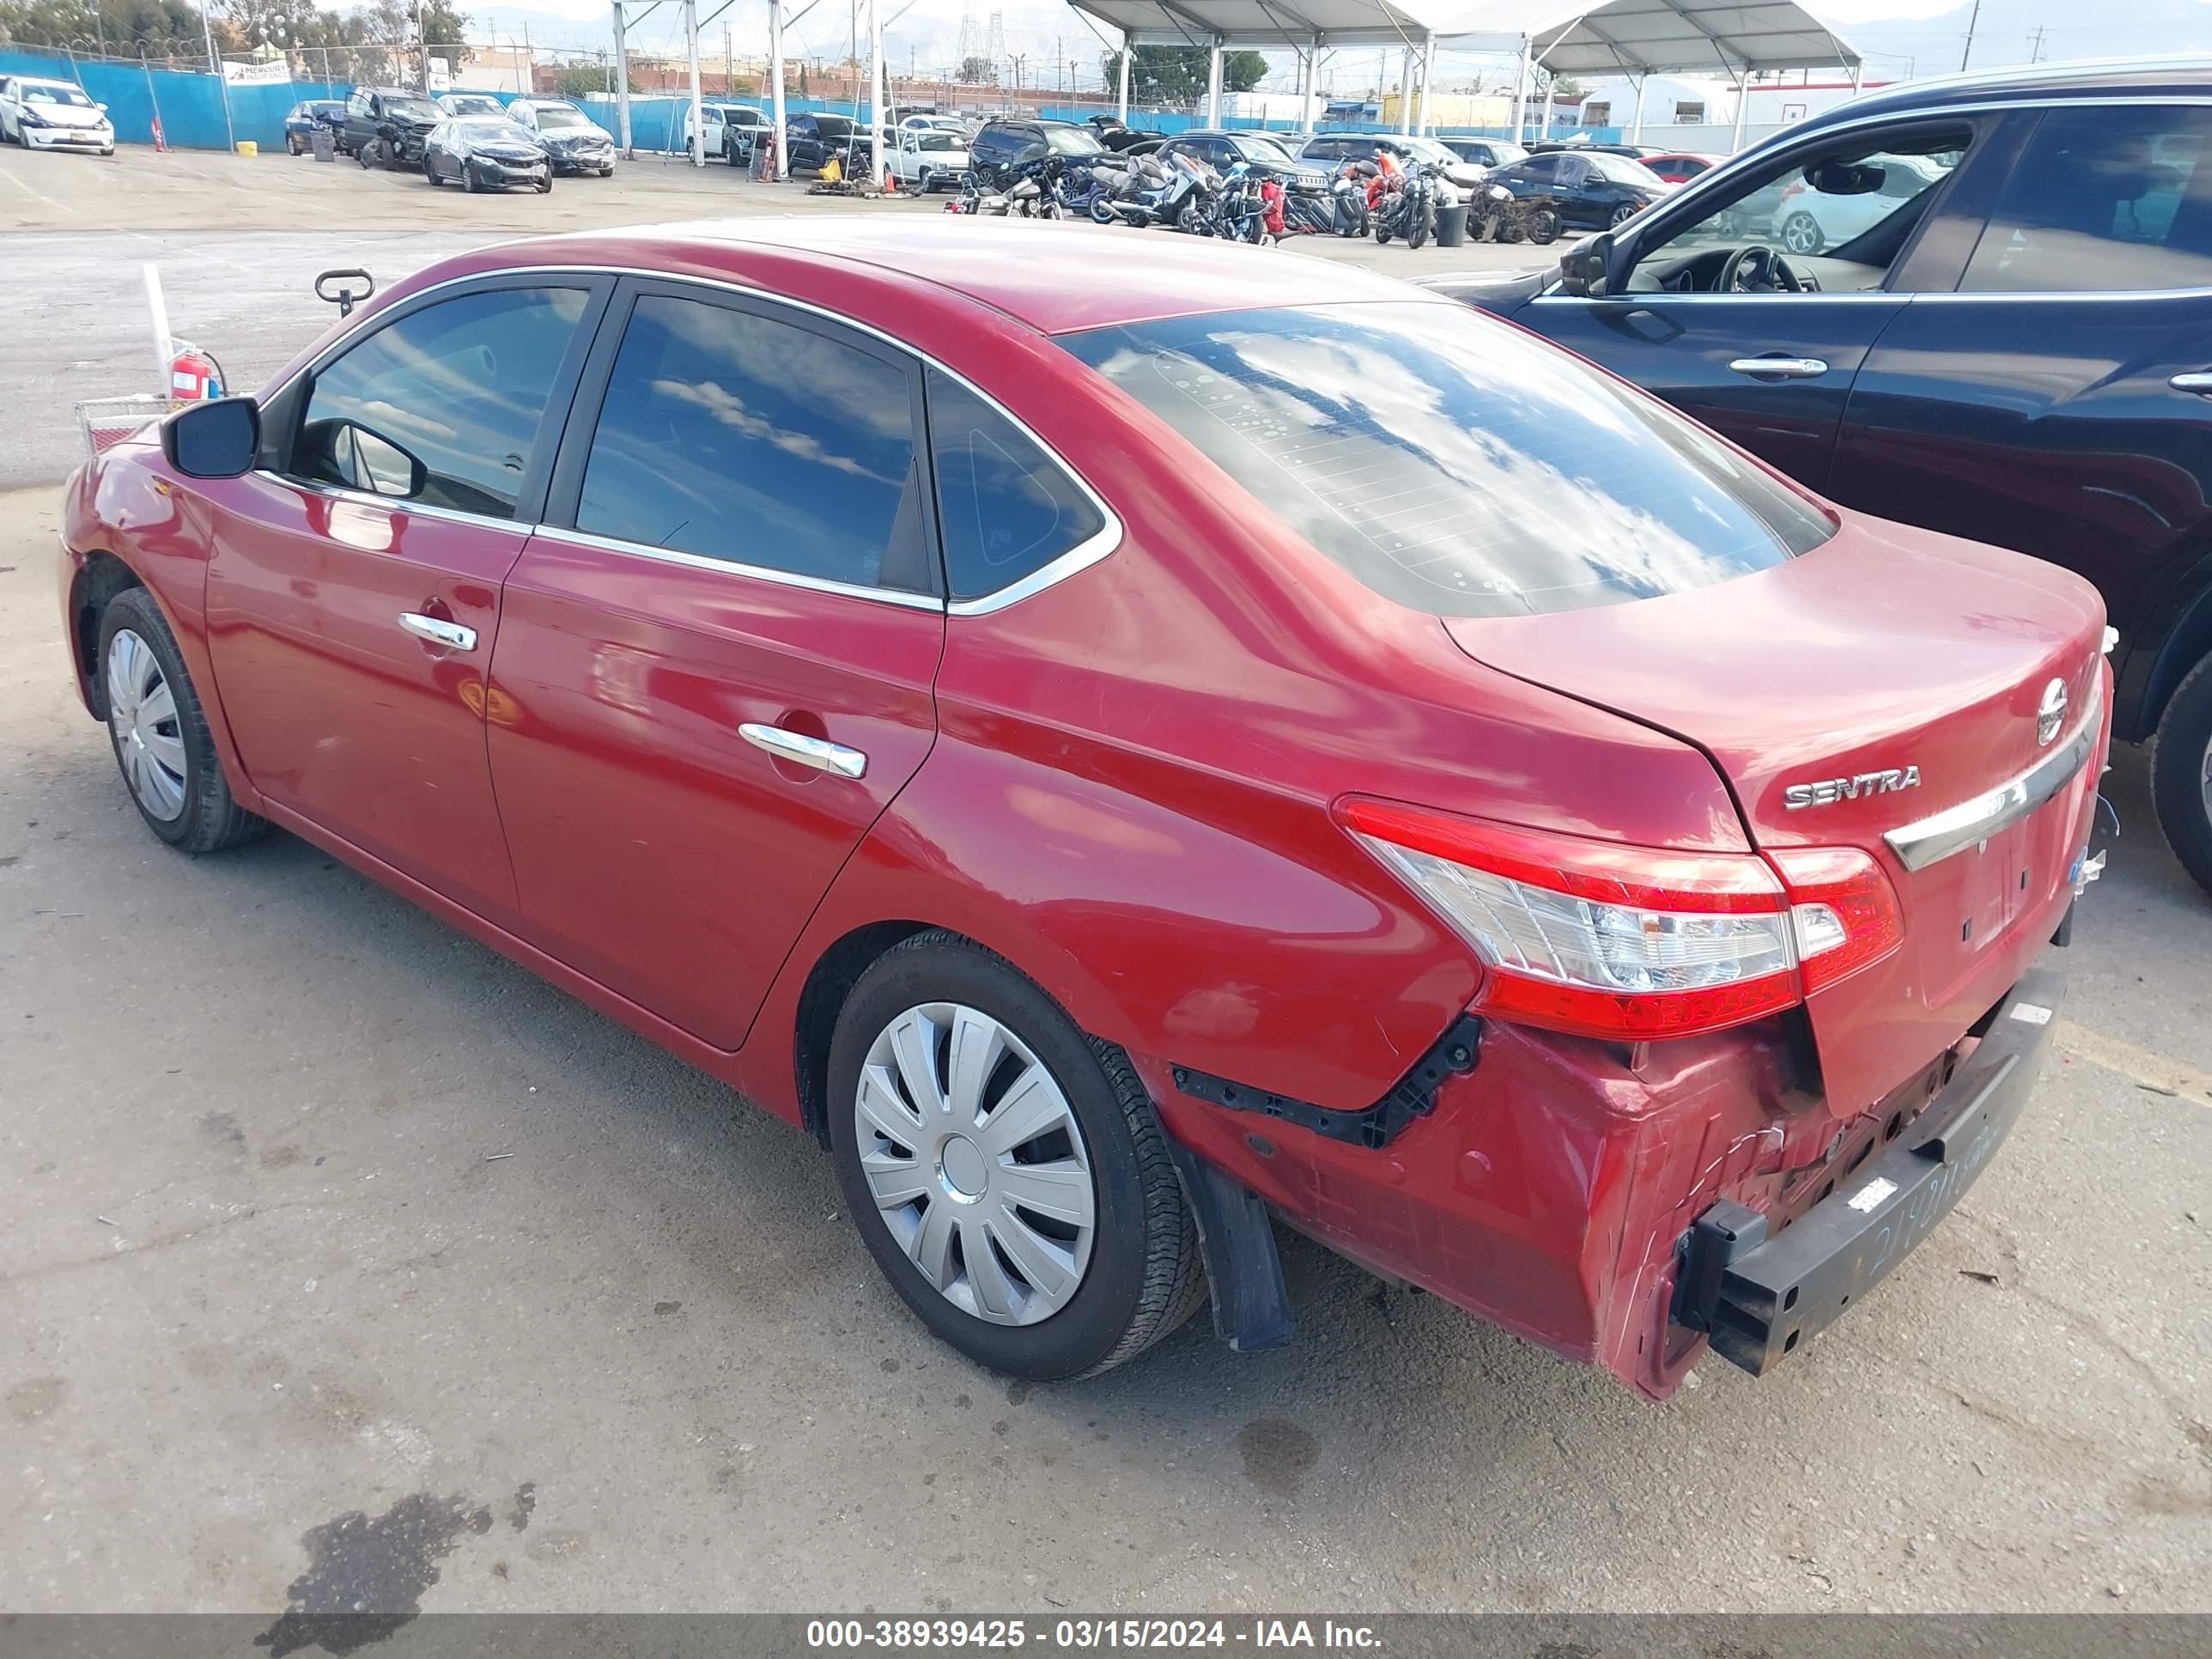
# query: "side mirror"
{"points": [[217, 439], [341, 451], [102, 108], [1585, 267]]}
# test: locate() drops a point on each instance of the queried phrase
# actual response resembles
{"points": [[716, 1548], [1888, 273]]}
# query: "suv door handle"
{"points": [[819, 753], [1780, 368], [2199, 383], [451, 635]]}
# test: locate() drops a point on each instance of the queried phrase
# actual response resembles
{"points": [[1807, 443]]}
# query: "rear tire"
{"points": [[1802, 234], [1417, 232], [160, 734], [1137, 1274], [2181, 774], [1544, 227]]}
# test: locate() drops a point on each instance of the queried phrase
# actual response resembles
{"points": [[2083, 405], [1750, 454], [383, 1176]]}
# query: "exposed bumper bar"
{"points": [[1757, 1298]]}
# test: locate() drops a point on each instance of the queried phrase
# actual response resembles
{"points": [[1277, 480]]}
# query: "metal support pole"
{"points": [[1128, 49], [1521, 93], [696, 145], [222, 86], [1636, 133], [1313, 85], [1428, 75], [1742, 99], [1405, 91], [1213, 84], [776, 164], [621, 84], [1859, 73], [1551, 86], [878, 161]]}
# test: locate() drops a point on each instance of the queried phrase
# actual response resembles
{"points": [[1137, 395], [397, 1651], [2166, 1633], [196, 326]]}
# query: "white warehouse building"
{"points": [[1696, 112]]}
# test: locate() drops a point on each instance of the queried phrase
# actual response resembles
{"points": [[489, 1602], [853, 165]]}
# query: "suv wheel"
{"points": [[1006, 1171], [2181, 774]]}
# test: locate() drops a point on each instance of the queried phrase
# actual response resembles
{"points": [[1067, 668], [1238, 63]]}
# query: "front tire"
{"points": [[1417, 232], [1007, 1172], [1801, 233], [162, 744], [2181, 774], [1544, 227]]}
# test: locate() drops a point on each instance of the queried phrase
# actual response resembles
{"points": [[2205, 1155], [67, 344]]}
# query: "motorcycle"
{"points": [[1178, 193], [1247, 208], [1085, 188], [1032, 192], [1350, 191], [1497, 215], [1408, 205]]}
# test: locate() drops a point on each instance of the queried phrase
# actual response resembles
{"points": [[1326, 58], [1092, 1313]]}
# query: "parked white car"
{"points": [[742, 127], [52, 115], [576, 142], [1808, 219], [929, 158]]}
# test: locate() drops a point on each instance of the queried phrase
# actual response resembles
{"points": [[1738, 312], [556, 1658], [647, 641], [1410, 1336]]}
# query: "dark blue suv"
{"points": [[1981, 305]]}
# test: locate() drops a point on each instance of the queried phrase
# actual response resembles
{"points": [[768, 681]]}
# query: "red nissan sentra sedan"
{"points": [[1117, 747]]}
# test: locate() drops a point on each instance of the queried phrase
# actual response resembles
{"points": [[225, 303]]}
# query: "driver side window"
{"points": [[1854, 202], [443, 406]]}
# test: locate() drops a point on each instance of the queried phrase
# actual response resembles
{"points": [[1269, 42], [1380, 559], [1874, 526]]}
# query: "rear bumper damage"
{"points": [[1757, 1296]]}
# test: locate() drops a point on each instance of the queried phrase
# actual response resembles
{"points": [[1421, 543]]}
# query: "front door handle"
{"points": [[2199, 383], [819, 753], [1780, 368], [451, 635]]}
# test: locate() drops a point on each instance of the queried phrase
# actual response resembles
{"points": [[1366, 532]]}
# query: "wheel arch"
{"points": [[2153, 669], [99, 579]]}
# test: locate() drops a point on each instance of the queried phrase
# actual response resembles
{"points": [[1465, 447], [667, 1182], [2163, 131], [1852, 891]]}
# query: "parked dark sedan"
{"points": [[384, 126], [812, 140], [1589, 189], [302, 120], [485, 152], [2013, 342]]}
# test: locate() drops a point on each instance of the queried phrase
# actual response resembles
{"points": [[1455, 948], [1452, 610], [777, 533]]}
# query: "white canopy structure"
{"points": [[1635, 38]]}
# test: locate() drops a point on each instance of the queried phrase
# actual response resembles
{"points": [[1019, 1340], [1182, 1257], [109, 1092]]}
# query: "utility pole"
{"points": [[696, 148], [621, 82], [2035, 46], [1972, 18]]}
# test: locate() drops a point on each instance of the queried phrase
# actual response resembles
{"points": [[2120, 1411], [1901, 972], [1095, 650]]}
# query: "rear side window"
{"points": [[443, 406], [732, 435], [1453, 464], [1005, 509], [2111, 199]]}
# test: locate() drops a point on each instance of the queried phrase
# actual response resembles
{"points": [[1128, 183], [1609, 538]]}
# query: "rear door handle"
{"points": [[819, 753], [2199, 383], [451, 635], [1780, 368]]}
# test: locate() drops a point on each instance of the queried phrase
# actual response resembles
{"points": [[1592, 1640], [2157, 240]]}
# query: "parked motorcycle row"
{"points": [[1385, 198]]}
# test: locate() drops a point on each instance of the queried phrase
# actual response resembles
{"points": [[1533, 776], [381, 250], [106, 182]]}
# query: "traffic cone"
{"points": [[890, 184], [160, 144]]}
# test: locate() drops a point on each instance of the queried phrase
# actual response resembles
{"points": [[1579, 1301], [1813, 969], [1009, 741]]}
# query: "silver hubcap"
{"points": [[1800, 233], [974, 1159], [141, 712], [2207, 780]]}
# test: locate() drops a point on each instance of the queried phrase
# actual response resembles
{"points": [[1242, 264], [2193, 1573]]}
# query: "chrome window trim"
{"points": [[1936, 837], [1077, 559], [894, 596], [392, 503], [1912, 117]]}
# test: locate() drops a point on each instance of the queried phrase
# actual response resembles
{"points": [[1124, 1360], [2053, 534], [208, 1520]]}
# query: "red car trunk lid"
{"points": [[1880, 679]]}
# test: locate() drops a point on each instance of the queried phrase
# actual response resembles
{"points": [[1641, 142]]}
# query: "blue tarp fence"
{"points": [[191, 106]]}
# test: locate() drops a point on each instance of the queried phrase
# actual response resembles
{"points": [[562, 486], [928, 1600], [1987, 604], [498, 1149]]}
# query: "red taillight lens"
{"points": [[1632, 943], [1844, 910]]}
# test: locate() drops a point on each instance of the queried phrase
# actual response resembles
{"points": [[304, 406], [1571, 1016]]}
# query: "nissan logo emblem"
{"points": [[2051, 712]]}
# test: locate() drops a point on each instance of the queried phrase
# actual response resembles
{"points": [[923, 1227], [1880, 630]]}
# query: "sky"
{"points": [[1900, 37]]}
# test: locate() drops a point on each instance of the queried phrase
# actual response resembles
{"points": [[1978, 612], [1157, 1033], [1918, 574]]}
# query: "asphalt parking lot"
{"points": [[312, 1209]]}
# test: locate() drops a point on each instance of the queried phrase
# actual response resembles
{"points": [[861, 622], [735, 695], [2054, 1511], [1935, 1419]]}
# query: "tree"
{"points": [[1177, 75], [977, 72], [127, 28], [588, 78]]}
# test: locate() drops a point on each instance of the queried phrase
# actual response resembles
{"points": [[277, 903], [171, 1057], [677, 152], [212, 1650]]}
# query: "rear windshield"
{"points": [[1453, 464]]}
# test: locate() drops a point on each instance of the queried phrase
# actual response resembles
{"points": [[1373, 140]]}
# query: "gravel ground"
{"points": [[261, 1271]]}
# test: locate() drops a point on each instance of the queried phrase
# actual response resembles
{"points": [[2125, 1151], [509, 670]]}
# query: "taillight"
{"points": [[1603, 939]]}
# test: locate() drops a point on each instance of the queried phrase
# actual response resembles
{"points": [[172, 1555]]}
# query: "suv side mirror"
{"points": [[216, 440], [1586, 268]]}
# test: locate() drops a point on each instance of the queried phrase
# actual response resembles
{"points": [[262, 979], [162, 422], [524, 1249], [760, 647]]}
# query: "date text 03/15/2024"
{"points": [[1083, 1634]]}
